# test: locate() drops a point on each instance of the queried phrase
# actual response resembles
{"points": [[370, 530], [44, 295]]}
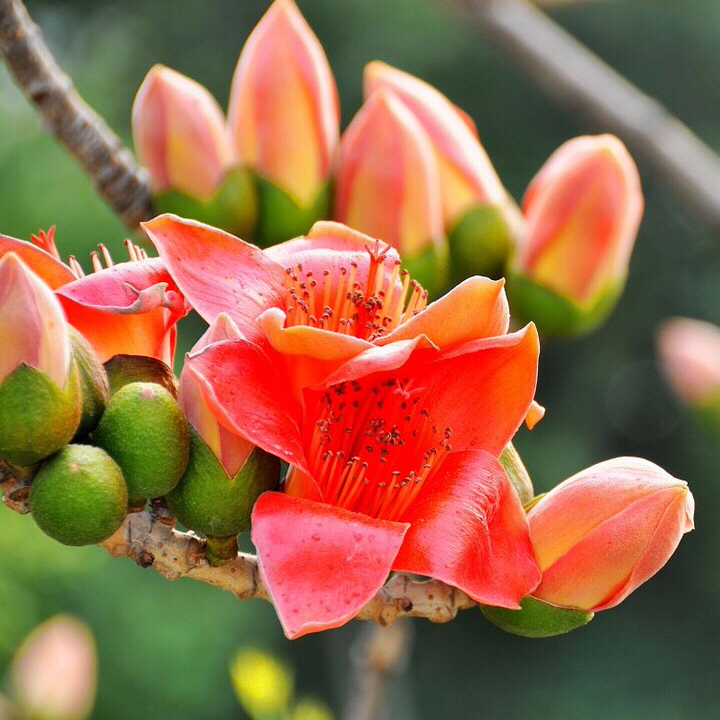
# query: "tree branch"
{"points": [[70, 119], [151, 541], [576, 77]]}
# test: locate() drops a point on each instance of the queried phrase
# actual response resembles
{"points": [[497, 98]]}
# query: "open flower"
{"points": [[316, 301], [393, 468], [129, 308]]}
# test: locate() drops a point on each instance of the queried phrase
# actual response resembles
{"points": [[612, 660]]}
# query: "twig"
{"points": [[69, 118], [570, 72], [150, 540], [379, 657]]}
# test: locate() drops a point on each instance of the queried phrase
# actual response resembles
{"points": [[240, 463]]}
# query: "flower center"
{"points": [[364, 302], [374, 445]]}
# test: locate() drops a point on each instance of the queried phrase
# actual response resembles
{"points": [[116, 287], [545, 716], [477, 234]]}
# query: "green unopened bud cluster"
{"points": [[113, 439]]}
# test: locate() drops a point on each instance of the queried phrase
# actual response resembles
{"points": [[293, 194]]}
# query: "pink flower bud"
{"points": [[466, 173], [180, 133], [54, 674], [583, 210], [284, 115], [388, 183], [32, 323], [603, 532], [690, 356], [231, 449]]}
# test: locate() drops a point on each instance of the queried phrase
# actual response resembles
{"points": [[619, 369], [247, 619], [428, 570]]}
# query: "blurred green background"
{"points": [[165, 647]]}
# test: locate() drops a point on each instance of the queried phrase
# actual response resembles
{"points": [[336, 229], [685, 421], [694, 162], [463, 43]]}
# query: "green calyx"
{"points": [[281, 217], [536, 619], [555, 314], [125, 369], [431, 268], [517, 473], [93, 384], [144, 430], [480, 242], [36, 416], [209, 501], [233, 206], [78, 496]]}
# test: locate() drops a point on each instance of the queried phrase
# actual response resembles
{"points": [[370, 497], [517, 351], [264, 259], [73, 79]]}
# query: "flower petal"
{"points": [[474, 309], [321, 564], [42, 263], [218, 272], [248, 395], [468, 528]]}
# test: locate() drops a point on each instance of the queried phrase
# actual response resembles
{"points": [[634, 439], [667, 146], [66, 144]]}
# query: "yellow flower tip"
{"points": [[263, 685]]}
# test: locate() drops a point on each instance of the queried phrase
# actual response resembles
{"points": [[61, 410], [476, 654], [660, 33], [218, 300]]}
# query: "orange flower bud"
{"points": [[54, 674], [582, 210], [690, 356], [180, 133], [466, 173], [603, 532], [32, 324], [231, 449], [388, 183], [284, 114]]}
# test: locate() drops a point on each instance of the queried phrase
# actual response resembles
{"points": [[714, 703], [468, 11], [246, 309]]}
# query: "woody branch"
{"points": [[151, 541], [70, 119]]}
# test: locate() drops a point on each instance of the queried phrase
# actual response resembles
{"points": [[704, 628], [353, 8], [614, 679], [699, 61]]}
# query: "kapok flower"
{"points": [[394, 468], [54, 674], [229, 448], [316, 301], [180, 133], [466, 173], [605, 531], [388, 181], [582, 212], [32, 324], [284, 113], [690, 355], [129, 308]]}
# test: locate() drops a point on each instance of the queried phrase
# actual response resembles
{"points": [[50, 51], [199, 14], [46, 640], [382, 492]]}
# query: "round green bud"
{"points": [[94, 388], [145, 432], [209, 501], [78, 496], [36, 416]]}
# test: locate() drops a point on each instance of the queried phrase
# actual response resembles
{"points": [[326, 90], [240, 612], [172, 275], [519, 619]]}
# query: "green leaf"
{"points": [[536, 619]]}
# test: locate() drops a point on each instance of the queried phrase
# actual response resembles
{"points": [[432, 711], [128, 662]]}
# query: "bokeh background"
{"points": [[165, 647]]}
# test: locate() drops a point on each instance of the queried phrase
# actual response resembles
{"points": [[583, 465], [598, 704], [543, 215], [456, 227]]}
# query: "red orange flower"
{"points": [[128, 308], [393, 468]]}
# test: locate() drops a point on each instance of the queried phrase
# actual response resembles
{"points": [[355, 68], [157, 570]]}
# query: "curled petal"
{"points": [[320, 563], [468, 528], [42, 263]]}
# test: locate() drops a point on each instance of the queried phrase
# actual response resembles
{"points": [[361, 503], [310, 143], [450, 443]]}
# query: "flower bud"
{"points": [[94, 388], [388, 185], [284, 118], [180, 133], [54, 673], [605, 531], [226, 472], [582, 213], [39, 391], [690, 355], [145, 432]]}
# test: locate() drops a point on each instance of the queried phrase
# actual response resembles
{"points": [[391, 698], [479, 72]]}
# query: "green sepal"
{"points": [[37, 417], [517, 473], [532, 502], [555, 314], [281, 217], [431, 268], [536, 619], [94, 388], [233, 206], [125, 369], [481, 241], [209, 501]]}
